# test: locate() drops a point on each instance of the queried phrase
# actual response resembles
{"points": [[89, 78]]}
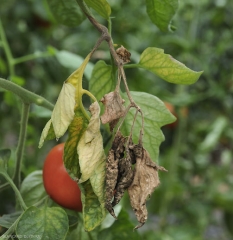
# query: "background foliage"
{"points": [[195, 199]]}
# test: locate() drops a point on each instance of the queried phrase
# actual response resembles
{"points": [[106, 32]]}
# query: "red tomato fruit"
{"points": [[57, 182]]}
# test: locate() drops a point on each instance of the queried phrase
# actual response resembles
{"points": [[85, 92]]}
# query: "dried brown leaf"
{"points": [[123, 54], [115, 154], [145, 180], [111, 180], [125, 178], [114, 108]]}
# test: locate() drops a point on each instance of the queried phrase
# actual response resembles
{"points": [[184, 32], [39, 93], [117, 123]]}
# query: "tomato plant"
{"points": [[111, 149], [57, 182]]}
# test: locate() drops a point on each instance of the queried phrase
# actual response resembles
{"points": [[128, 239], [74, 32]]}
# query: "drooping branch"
{"points": [[118, 61], [25, 95]]}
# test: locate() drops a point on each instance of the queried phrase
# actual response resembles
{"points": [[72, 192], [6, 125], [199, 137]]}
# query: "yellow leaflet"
{"points": [[92, 163], [94, 211], [90, 147], [63, 112], [77, 75], [69, 98], [45, 133], [76, 130], [62, 115]]}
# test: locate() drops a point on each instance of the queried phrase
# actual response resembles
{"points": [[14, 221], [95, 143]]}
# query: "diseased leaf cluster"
{"points": [[135, 126]]}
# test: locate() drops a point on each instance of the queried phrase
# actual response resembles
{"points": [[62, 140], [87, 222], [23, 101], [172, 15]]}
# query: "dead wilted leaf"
{"points": [[114, 155], [123, 54], [114, 108], [145, 180], [125, 178], [111, 180]]}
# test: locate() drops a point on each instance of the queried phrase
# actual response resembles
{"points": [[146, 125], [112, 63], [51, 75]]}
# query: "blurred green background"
{"points": [[195, 198]]}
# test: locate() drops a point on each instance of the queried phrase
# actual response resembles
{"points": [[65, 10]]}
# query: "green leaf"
{"points": [[120, 229], [166, 67], [7, 220], [66, 12], [93, 211], [32, 188], [101, 81], [161, 12], [102, 7], [155, 114], [44, 223], [76, 130]]}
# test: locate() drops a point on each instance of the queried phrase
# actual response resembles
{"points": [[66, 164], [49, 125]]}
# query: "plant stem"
{"points": [[106, 35], [134, 65], [7, 50], [84, 91], [110, 26], [30, 57], [21, 143], [17, 193], [25, 95]]}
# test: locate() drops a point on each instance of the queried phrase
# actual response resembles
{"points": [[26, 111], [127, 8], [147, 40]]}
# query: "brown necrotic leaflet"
{"points": [[119, 173], [145, 180]]}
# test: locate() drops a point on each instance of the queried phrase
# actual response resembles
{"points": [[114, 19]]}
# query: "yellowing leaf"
{"points": [[166, 67], [47, 133], [97, 180], [63, 112], [93, 211], [76, 77], [76, 130], [90, 147], [92, 167]]}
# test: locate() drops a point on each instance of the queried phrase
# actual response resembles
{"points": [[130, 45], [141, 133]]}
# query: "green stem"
{"points": [[17, 193], [84, 91], [26, 96], [30, 57], [83, 110], [110, 26], [135, 65], [7, 50], [21, 143]]}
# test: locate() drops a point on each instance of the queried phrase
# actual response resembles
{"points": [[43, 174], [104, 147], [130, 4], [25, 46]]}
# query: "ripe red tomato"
{"points": [[57, 182]]}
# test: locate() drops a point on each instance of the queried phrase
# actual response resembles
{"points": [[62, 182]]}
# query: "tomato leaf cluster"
{"points": [[84, 154]]}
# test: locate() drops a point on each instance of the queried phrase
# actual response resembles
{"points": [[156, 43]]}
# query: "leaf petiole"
{"points": [[84, 91]]}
